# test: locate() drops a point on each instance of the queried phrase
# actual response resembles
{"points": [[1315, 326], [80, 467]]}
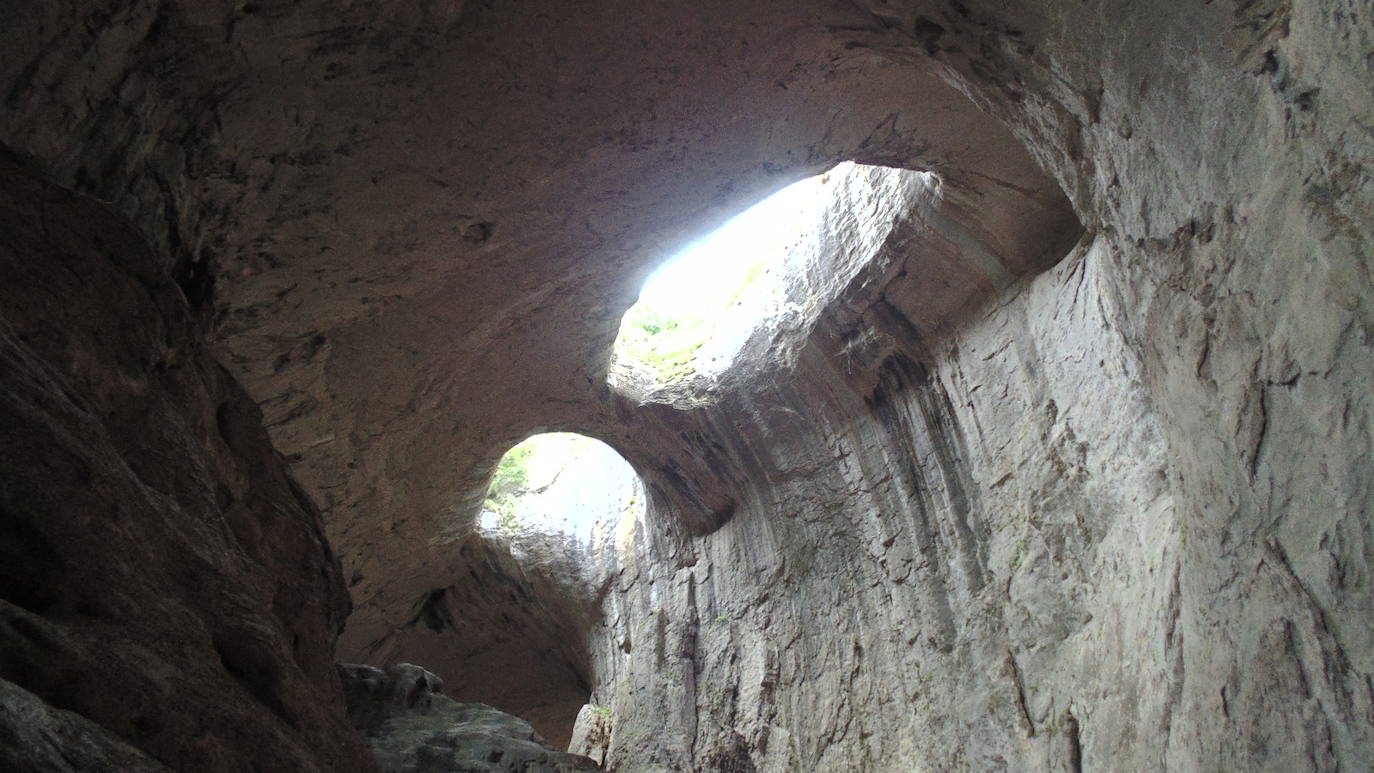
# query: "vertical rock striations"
{"points": [[1067, 470], [1117, 517]]}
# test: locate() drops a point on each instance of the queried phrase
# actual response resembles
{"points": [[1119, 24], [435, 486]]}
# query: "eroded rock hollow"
{"points": [[1055, 457]]}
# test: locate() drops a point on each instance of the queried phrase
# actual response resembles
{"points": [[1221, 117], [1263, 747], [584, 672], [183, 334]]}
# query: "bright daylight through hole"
{"points": [[698, 309], [771, 267], [562, 483]]}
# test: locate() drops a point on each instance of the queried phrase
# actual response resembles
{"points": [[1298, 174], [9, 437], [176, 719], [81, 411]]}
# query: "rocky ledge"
{"points": [[413, 727]]}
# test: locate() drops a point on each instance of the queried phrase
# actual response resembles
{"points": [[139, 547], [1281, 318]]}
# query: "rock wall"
{"points": [[1109, 509], [167, 597], [978, 553], [516, 621], [1117, 517], [412, 727]]}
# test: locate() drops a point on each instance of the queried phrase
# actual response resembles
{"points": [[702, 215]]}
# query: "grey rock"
{"points": [[37, 738], [1070, 469], [394, 198], [592, 731], [412, 727]]}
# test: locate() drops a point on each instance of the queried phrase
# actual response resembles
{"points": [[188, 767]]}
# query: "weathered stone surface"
{"points": [[369, 183], [161, 575], [1110, 510], [519, 624], [36, 738], [591, 736], [413, 727], [1106, 521]]}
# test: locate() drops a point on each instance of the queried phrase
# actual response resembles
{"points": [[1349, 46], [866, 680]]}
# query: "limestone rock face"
{"points": [[413, 727], [507, 616], [36, 737], [1105, 520], [371, 304], [1069, 471], [162, 577]]}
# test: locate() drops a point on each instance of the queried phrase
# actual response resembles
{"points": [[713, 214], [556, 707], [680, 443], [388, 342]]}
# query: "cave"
{"points": [[1053, 454]]}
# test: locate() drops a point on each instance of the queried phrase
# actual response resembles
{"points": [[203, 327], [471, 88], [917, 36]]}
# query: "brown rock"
{"points": [[161, 574]]}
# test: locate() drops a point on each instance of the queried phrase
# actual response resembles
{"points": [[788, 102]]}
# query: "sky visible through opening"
{"points": [[716, 292], [682, 302], [561, 483]]}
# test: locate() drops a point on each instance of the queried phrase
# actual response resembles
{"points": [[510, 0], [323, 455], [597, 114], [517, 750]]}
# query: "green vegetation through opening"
{"points": [[720, 287]]}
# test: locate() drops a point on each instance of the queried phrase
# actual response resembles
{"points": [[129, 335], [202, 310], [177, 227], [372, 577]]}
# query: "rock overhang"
{"points": [[370, 181], [369, 195], [373, 256]]}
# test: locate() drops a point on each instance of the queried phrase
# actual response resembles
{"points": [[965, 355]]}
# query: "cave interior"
{"points": [[1052, 450]]}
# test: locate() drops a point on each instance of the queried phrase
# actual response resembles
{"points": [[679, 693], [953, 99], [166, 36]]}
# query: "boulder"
{"points": [[412, 727]]}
